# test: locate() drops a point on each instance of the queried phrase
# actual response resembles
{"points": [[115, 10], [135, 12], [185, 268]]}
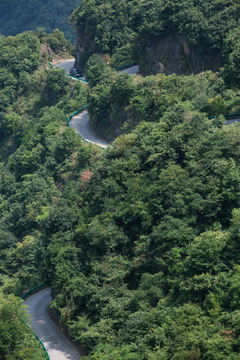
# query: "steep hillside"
{"points": [[139, 242], [19, 16], [34, 104]]}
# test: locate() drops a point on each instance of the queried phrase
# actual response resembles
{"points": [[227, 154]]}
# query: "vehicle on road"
{"points": [[75, 73]]}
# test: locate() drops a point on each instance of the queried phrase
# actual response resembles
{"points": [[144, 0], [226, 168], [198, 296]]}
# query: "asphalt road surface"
{"points": [[232, 121], [56, 344], [67, 65], [80, 123], [132, 70]]}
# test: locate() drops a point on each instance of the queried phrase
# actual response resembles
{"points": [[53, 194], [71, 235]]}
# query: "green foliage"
{"points": [[94, 69], [38, 152], [99, 21], [217, 106], [204, 254], [84, 56], [19, 57], [124, 101], [58, 84], [9, 124], [57, 40], [154, 281], [122, 88], [16, 341], [231, 52], [84, 155], [122, 56], [20, 53], [60, 218]]}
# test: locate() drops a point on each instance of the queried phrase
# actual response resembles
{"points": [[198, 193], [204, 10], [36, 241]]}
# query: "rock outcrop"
{"points": [[79, 49], [172, 54], [83, 43], [163, 54]]}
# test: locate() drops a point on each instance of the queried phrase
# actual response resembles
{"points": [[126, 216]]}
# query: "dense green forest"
{"points": [[139, 242], [111, 22], [125, 29], [19, 16]]}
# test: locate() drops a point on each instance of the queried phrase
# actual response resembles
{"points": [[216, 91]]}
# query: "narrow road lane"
{"points": [[56, 344], [132, 70], [80, 123], [67, 65], [228, 122]]}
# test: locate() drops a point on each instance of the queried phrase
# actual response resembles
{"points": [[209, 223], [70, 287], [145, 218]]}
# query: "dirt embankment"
{"points": [[47, 53]]}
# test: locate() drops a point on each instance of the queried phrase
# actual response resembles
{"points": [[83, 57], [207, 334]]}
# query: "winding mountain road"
{"points": [[56, 344], [80, 122]]}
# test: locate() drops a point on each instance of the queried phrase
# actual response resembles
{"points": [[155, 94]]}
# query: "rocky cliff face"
{"points": [[79, 49], [83, 43], [172, 54], [163, 54]]}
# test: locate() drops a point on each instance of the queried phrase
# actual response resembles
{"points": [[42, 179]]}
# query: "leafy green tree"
{"points": [[10, 124], [231, 52], [16, 341], [94, 69], [204, 254], [57, 41], [58, 84], [122, 87], [122, 56], [217, 105], [85, 153], [60, 218]]}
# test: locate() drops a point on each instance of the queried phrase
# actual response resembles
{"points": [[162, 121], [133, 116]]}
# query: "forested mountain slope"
{"points": [[19, 16], [162, 35], [139, 243]]}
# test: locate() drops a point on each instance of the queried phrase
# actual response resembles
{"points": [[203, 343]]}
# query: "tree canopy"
{"points": [[138, 242]]}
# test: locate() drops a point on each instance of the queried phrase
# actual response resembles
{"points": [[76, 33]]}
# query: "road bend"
{"points": [[67, 65], [56, 344], [81, 121]]}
